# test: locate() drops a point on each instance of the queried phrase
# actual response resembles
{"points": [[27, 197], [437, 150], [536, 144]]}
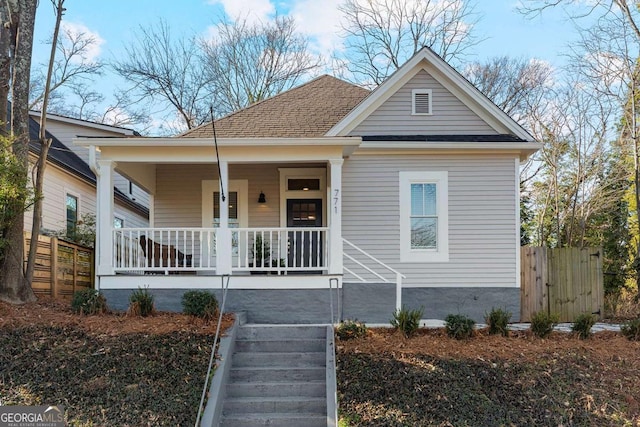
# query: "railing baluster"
{"points": [[300, 249]]}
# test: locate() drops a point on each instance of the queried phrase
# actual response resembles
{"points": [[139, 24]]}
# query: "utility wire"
{"points": [[215, 141]]}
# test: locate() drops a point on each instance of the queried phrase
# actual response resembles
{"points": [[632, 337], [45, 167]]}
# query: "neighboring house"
{"points": [[70, 185], [407, 195]]}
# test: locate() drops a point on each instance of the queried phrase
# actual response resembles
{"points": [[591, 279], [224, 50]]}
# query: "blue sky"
{"points": [[115, 22]]}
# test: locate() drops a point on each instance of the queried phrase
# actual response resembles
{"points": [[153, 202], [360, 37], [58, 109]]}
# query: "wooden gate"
{"points": [[564, 281]]}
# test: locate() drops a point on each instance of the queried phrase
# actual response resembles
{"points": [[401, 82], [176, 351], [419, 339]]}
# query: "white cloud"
{"points": [[75, 31], [253, 10], [321, 22]]}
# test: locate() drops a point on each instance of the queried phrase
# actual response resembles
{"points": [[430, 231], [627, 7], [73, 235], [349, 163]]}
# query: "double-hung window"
{"points": [[424, 225], [72, 214]]}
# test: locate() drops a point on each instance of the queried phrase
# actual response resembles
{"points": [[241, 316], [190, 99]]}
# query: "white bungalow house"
{"points": [[349, 203], [69, 190]]}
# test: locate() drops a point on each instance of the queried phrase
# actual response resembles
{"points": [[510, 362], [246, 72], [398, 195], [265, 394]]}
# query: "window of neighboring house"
{"points": [[72, 214], [118, 222], [424, 228], [421, 102]]}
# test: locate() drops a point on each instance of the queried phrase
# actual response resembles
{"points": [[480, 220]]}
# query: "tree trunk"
{"points": [[5, 66], [45, 143], [14, 286]]}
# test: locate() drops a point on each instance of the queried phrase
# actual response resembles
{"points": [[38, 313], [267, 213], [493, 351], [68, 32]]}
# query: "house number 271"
{"points": [[336, 198]]}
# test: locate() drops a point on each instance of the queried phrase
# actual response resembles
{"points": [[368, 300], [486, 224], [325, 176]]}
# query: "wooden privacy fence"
{"points": [[62, 268], [564, 281]]}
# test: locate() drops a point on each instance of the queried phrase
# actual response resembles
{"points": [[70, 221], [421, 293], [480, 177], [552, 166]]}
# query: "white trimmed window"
{"points": [[72, 214], [421, 102], [424, 217]]}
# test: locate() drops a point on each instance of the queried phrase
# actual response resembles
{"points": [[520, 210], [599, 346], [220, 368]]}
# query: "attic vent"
{"points": [[421, 101]]}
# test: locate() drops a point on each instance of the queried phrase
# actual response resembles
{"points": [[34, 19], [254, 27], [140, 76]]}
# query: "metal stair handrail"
{"points": [[399, 276]]}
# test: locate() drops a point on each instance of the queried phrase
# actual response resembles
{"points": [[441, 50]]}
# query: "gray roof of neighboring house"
{"points": [[60, 155], [306, 111]]}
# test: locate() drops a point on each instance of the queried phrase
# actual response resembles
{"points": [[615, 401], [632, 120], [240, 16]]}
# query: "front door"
{"points": [[305, 247]]}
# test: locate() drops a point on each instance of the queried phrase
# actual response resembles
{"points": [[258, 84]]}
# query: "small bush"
{"points": [[498, 321], [200, 304], [459, 326], [141, 303], [631, 329], [351, 329], [582, 325], [407, 321], [542, 324], [88, 301]]}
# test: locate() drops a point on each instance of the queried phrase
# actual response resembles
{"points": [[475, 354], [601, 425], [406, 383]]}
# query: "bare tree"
{"points": [[247, 63], [516, 85], [72, 69], [380, 35], [45, 144], [572, 192], [123, 112], [606, 56], [19, 21], [168, 73]]}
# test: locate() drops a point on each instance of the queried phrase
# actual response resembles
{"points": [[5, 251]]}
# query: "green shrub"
{"points": [[88, 301], [631, 329], [200, 304], [582, 325], [498, 321], [542, 324], [459, 326], [407, 321], [141, 303], [351, 329]]}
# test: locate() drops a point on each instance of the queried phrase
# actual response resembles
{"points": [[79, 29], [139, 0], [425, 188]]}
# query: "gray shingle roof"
{"points": [[306, 111]]}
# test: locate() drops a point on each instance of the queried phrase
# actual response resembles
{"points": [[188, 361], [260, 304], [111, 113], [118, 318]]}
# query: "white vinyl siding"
{"points": [[65, 132], [481, 215], [178, 198], [450, 116], [57, 183]]}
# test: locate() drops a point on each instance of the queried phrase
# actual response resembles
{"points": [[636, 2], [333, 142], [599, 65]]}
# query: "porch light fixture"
{"points": [[262, 198]]}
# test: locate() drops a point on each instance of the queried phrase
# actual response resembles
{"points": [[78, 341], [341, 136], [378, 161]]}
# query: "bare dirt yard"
{"points": [[433, 380], [118, 370], [107, 370]]}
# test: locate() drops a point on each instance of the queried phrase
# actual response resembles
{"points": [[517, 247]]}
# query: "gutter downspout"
{"points": [[93, 165]]}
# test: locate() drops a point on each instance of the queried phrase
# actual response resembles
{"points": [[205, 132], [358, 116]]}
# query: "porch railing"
{"points": [[280, 250], [275, 250], [163, 249]]}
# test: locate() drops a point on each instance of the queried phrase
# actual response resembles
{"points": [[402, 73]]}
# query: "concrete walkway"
{"points": [[560, 327]]}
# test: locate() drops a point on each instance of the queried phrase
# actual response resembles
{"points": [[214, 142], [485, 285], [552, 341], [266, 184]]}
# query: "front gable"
{"points": [[457, 107], [448, 115]]}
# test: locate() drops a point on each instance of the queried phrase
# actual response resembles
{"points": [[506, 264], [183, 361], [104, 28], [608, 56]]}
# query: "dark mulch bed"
{"points": [[431, 380], [106, 374]]}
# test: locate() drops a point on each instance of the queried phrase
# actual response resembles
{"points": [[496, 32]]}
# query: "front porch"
{"points": [[264, 218], [251, 209]]}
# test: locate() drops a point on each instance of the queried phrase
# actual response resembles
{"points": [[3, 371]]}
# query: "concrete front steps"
{"points": [[278, 377]]}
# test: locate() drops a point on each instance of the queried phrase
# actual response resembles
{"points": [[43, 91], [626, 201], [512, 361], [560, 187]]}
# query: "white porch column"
{"points": [[104, 217], [223, 234], [335, 217]]}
